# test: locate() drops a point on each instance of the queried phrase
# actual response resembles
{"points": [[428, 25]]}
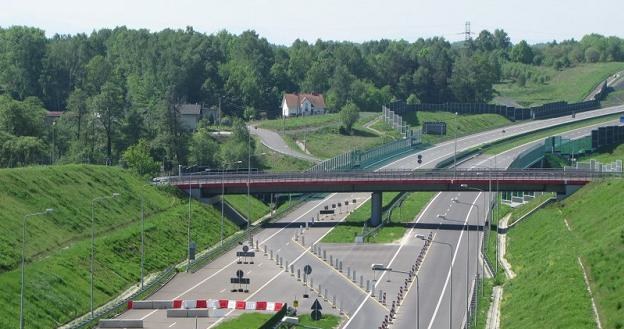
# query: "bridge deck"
{"points": [[389, 180]]}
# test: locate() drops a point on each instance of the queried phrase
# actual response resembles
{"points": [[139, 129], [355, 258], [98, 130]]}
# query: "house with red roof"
{"points": [[302, 104]]}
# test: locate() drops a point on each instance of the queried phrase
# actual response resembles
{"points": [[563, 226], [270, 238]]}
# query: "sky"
{"points": [[282, 21]]}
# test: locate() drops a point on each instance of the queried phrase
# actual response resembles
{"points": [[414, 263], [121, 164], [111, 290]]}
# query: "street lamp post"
{"points": [[424, 238], [142, 234], [455, 152], [47, 211], [485, 214], [223, 194], [114, 195]]}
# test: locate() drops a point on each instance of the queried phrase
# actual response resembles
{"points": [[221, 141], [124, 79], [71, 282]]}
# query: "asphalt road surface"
{"points": [[275, 142], [269, 282]]}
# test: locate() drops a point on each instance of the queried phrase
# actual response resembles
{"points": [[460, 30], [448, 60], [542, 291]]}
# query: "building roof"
{"points": [[189, 109], [53, 114], [314, 98]]}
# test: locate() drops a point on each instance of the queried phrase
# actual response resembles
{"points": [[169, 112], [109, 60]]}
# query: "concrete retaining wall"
{"points": [[182, 313]]}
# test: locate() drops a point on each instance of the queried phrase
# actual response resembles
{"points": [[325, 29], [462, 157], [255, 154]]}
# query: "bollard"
{"points": [[286, 268], [380, 295], [281, 262], [265, 250], [292, 269], [353, 275], [305, 280], [368, 286], [341, 310], [331, 260], [325, 297], [340, 267], [334, 302], [271, 254], [362, 281], [325, 255], [303, 240], [348, 272], [311, 283], [384, 298], [257, 247], [276, 259], [320, 291], [298, 274]]}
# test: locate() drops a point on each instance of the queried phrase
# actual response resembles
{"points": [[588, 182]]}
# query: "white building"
{"points": [[302, 104]]}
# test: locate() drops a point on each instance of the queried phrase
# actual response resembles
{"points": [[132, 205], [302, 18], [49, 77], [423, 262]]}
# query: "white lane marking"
{"points": [[173, 324], [403, 242], [278, 250], [222, 291], [148, 314], [306, 250], [298, 218], [287, 243], [249, 272], [435, 312], [260, 265]]}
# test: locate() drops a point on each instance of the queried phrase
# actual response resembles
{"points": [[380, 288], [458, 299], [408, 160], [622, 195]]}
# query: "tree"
{"points": [[203, 149], [522, 53], [250, 113], [473, 78], [21, 118], [109, 107], [139, 159], [349, 114]]}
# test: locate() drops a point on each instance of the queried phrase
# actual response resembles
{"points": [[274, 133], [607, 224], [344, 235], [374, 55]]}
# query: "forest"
{"points": [[119, 88]]}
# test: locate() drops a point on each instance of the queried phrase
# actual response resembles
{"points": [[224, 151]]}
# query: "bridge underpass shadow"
{"points": [[424, 226]]}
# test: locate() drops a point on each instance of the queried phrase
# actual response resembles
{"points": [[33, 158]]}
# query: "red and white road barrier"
{"points": [[206, 303]]}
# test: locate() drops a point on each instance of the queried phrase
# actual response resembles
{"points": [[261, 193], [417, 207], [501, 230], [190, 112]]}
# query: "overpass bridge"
{"points": [[377, 182]]}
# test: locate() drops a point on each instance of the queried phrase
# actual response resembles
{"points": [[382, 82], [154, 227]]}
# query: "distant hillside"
{"points": [[58, 245]]}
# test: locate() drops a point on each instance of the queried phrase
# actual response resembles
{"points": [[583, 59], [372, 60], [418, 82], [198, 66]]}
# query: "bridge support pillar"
{"points": [[376, 208]]}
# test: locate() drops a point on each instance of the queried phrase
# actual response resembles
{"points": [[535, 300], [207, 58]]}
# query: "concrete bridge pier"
{"points": [[376, 209]]}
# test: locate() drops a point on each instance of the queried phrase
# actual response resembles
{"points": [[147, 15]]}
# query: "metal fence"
{"points": [[357, 159], [549, 110]]}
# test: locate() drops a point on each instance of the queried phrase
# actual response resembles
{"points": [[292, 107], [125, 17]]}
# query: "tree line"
{"points": [[120, 86]]}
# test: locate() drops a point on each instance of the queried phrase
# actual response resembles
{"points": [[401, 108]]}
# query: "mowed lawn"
{"points": [[549, 291], [571, 84]]}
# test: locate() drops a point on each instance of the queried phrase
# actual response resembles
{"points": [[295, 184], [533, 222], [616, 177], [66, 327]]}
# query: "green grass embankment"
{"points": [[346, 231], [616, 153], [58, 245], [240, 204], [571, 84], [549, 290], [255, 320], [497, 148]]}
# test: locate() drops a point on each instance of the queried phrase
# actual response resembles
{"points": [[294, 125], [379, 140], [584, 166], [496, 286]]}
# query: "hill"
{"points": [[546, 248], [58, 245]]}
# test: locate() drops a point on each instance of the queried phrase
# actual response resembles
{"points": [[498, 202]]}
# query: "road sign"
{"points": [[240, 274], [326, 212], [307, 269], [245, 248], [316, 310], [295, 303]]}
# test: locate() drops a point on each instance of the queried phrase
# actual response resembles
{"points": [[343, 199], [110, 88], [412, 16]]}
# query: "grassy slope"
{"points": [[345, 232], [239, 203], [246, 321], [520, 140], [275, 161], [313, 121], [572, 84], [614, 98], [57, 280], [462, 124], [542, 252], [255, 320], [607, 157]]}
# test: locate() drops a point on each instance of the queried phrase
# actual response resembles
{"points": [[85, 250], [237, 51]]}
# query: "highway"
{"points": [[272, 283]]}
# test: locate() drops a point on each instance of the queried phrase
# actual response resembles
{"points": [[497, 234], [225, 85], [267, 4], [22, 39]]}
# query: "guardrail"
{"points": [[118, 307]]}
